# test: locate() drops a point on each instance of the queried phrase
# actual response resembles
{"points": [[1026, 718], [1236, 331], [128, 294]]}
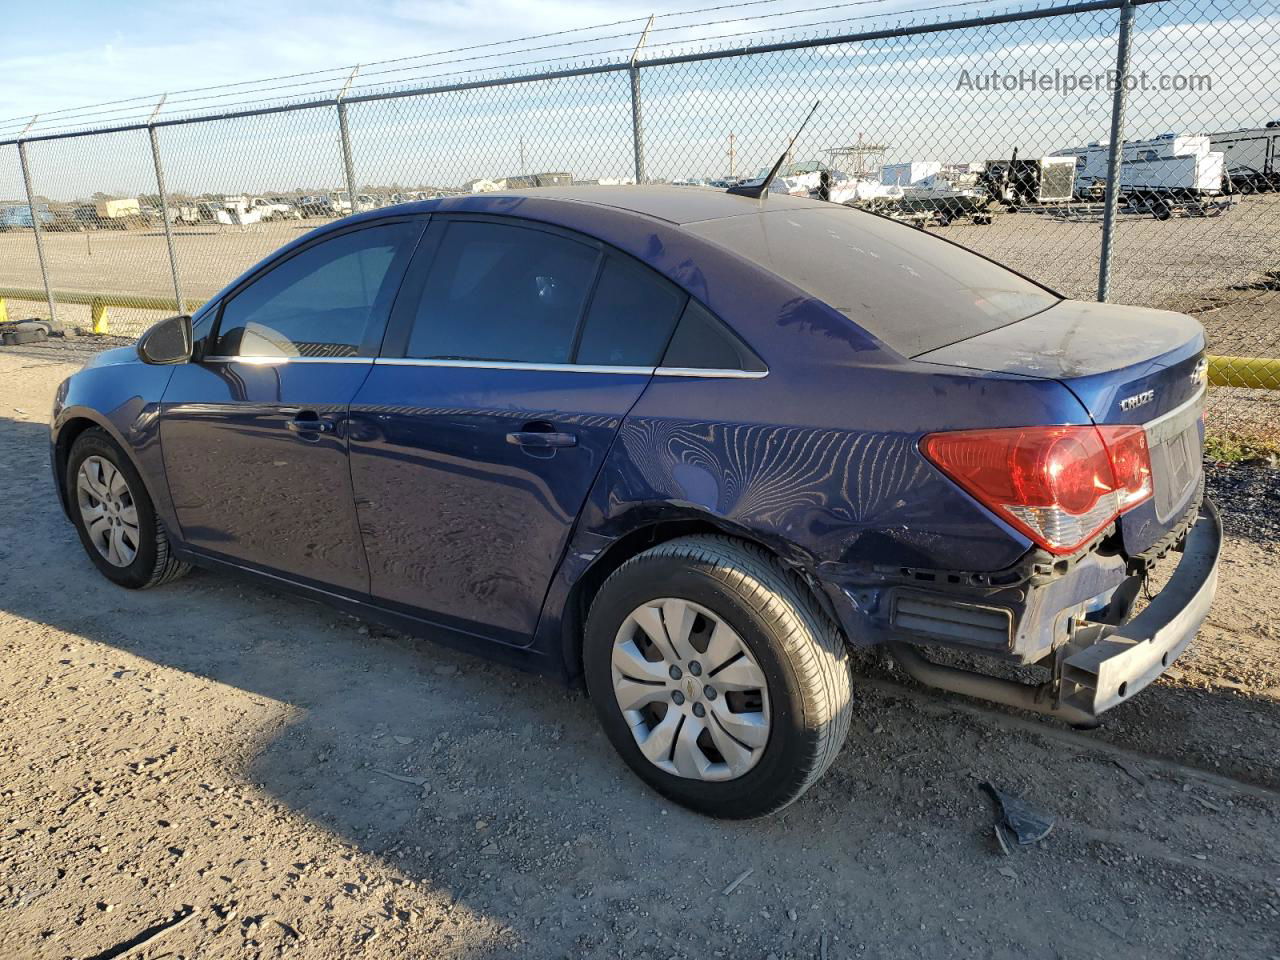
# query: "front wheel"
{"points": [[716, 676], [114, 515]]}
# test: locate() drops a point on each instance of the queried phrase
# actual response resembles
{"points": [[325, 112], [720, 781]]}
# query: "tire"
{"points": [[805, 701], [152, 562]]}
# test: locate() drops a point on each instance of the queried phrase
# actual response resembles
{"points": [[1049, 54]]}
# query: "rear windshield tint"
{"points": [[913, 291]]}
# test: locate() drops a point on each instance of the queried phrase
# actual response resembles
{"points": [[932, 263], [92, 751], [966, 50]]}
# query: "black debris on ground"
{"points": [[1026, 824], [1247, 495]]}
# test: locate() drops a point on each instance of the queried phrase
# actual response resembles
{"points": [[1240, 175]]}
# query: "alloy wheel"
{"points": [[691, 691]]}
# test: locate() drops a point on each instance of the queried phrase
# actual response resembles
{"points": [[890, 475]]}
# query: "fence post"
{"points": [[164, 212], [637, 128], [347, 162], [35, 226], [1115, 157], [348, 165]]}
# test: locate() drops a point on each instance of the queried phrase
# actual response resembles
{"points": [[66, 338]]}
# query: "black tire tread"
{"points": [[168, 568], [812, 643]]}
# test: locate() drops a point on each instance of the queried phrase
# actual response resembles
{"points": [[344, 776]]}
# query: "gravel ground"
{"points": [[275, 779], [1248, 495]]}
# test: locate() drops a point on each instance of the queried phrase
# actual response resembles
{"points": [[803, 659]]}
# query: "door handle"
{"points": [[541, 440], [308, 422]]}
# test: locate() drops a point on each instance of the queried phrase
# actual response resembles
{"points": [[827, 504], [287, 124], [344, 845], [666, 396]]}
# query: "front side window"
{"points": [[321, 302], [502, 293]]}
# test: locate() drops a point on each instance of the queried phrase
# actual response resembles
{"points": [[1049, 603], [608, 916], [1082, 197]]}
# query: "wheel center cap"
{"points": [[690, 687]]}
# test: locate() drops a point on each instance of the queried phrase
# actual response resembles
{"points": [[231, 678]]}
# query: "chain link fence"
{"points": [[993, 131]]}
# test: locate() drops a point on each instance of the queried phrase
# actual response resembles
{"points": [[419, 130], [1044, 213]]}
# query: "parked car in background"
{"points": [[316, 206], [274, 208], [686, 446]]}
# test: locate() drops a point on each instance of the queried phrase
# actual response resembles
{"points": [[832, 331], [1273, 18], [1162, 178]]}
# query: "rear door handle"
{"points": [[537, 438]]}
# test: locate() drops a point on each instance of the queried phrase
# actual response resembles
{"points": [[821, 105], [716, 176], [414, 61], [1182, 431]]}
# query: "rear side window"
{"points": [[499, 292], [320, 302], [632, 314], [702, 342]]}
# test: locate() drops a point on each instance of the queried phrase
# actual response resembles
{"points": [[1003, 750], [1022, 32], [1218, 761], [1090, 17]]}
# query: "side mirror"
{"points": [[169, 341]]}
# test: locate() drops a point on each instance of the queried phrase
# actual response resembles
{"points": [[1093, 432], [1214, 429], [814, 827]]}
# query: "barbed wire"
{"points": [[317, 84]]}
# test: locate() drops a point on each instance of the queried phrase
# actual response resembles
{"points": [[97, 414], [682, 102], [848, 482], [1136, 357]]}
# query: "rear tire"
{"points": [[735, 593], [128, 543]]}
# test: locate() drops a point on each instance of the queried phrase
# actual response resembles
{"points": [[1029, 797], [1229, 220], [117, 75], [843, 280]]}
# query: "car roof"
{"points": [[678, 205]]}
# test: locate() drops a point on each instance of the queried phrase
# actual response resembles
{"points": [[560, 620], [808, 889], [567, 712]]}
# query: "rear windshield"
{"points": [[913, 291]]}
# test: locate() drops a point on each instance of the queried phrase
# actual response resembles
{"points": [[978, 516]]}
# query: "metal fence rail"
{"points": [[943, 124]]}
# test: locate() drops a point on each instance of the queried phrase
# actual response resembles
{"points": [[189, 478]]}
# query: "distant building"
{"points": [[539, 180], [525, 180]]}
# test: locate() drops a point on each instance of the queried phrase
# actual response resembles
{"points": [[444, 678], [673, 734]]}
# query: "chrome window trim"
{"points": [[573, 368], [273, 361], [513, 365], [712, 373], [709, 373]]}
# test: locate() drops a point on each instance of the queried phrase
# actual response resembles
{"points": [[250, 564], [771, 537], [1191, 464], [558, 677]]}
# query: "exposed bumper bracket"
{"points": [[1114, 668]]}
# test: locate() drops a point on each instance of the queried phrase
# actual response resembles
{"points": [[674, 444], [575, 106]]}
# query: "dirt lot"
{"points": [[303, 785]]}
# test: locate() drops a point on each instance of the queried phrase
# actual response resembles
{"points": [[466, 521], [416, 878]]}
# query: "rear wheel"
{"points": [[716, 676], [114, 515]]}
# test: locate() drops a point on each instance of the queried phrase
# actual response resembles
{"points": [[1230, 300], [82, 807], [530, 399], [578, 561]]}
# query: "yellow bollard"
{"points": [[1259, 373], [98, 313], [4, 311]]}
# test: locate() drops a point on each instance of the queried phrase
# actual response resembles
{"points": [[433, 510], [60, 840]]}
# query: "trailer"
{"points": [[1020, 182], [19, 215], [1258, 149], [118, 209]]}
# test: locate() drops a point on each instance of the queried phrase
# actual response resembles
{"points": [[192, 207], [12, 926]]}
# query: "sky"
{"points": [[903, 92], [109, 49]]}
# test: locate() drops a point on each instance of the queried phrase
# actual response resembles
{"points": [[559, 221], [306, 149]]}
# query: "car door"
{"points": [[513, 355], [254, 433]]}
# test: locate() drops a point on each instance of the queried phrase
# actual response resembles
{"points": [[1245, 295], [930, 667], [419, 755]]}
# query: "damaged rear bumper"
{"points": [[1099, 664], [1130, 656]]}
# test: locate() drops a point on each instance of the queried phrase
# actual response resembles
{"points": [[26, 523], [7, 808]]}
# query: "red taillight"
{"points": [[1058, 485], [1131, 462]]}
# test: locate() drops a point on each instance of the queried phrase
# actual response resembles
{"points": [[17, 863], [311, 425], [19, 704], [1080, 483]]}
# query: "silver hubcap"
{"points": [[108, 510], [690, 690]]}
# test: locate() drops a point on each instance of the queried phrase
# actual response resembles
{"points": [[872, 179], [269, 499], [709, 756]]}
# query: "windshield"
{"points": [[913, 291]]}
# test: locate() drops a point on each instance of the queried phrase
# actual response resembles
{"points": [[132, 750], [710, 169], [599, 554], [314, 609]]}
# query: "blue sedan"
{"points": [[683, 446]]}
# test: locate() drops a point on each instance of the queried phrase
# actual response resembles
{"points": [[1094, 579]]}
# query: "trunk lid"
{"points": [[1126, 365]]}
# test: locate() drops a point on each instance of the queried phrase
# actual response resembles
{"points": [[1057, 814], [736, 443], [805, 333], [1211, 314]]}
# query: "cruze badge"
{"points": [[1137, 400]]}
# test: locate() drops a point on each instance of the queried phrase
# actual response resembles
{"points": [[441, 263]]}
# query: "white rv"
{"points": [[1156, 173], [1258, 148]]}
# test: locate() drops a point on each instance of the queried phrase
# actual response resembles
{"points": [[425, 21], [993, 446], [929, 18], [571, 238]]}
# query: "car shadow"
{"points": [[498, 788]]}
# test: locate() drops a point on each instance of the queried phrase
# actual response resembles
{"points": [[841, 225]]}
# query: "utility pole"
{"points": [[732, 167]]}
